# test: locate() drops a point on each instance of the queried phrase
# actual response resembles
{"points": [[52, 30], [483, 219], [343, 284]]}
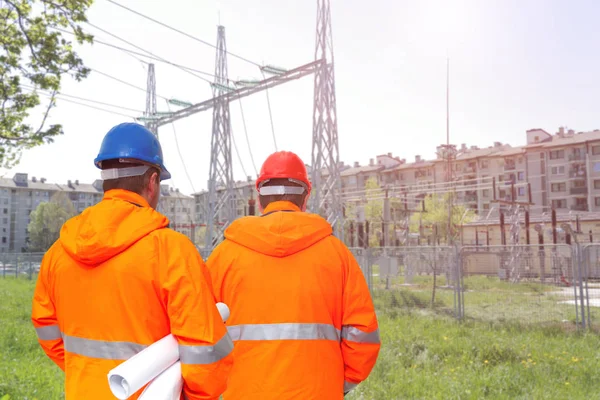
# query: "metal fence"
{"points": [[20, 265], [524, 284]]}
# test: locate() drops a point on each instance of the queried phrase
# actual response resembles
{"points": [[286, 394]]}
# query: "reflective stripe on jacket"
{"points": [[117, 281], [302, 319]]}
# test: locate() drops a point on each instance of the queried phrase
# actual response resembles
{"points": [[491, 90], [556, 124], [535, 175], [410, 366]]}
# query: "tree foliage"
{"points": [[47, 220], [436, 207], [34, 52]]}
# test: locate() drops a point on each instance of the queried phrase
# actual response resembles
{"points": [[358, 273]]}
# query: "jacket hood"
{"points": [[282, 230], [109, 227]]}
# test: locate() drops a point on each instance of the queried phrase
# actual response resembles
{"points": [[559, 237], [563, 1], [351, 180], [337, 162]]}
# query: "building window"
{"points": [[557, 154], [485, 163], [559, 170], [486, 192], [562, 203], [579, 184], [558, 187], [521, 191], [521, 176], [486, 206], [595, 150], [597, 184], [3, 239]]}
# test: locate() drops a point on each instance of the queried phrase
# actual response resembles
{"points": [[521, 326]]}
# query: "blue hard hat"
{"points": [[132, 141]]}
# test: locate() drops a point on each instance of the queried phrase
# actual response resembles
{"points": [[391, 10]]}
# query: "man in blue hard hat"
{"points": [[118, 280]]}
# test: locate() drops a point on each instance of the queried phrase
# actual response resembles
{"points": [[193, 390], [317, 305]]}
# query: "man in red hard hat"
{"points": [[302, 319]]}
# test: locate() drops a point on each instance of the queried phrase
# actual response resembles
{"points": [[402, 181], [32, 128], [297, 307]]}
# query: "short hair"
{"points": [[135, 184], [297, 199]]}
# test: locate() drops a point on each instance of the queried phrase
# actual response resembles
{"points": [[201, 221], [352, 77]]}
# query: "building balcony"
{"points": [[578, 190], [577, 174], [579, 207], [576, 157], [469, 170], [510, 167]]}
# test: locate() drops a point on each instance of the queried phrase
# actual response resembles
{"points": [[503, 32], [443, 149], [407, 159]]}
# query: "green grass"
{"points": [[25, 371], [498, 352], [434, 357]]}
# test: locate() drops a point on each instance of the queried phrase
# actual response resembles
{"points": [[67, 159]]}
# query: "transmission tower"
{"points": [[327, 186], [221, 207], [150, 113]]}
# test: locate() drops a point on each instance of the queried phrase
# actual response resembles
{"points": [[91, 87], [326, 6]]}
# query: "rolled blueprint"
{"points": [[157, 359], [166, 386], [130, 376]]}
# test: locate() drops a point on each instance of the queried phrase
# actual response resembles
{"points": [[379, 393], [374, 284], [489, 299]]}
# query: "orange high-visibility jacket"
{"points": [[118, 280], [302, 318]]}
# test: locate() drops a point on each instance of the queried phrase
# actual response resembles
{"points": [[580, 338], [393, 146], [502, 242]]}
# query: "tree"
{"points": [[436, 217], [47, 220], [33, 51], [436, 207]]}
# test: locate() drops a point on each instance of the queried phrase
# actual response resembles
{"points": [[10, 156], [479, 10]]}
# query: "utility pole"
{"points": [[150, 113], [327, 190], [220, 181]]}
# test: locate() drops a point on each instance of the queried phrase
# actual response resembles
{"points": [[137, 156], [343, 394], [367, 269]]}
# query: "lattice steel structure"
{"points": [[515, 250], [150, 113], [327, 184], [221, 201]]}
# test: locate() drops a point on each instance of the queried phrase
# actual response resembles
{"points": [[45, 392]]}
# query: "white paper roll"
{"points": [[166, 386], [133, 374], [223, 310]]}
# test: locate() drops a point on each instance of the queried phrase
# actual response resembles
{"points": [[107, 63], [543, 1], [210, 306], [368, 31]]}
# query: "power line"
{"points": [[133, 53], [124, 82], [84, 99], [180, 32], [179, 151], [144, 50], [270, 115], [247, 138], [90, 106], [238, 153]]}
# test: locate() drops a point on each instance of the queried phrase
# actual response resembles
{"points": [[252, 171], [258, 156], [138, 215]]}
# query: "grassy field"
{"points": [[25, 371], [425, 354]]}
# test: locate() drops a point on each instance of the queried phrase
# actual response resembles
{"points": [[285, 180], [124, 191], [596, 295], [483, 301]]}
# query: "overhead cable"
{"points": [[146, 51], [90, 106], [180, 32], [247, 138]]}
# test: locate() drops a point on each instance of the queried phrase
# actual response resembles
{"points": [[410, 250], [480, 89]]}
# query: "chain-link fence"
{"points": [[20, 265], [524, 284], [424, 278]]}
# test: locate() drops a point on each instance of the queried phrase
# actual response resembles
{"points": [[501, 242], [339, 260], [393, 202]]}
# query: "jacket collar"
{"points": [[280, 206], [126, 195]]}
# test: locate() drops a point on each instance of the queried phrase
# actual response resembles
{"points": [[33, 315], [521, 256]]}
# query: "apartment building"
{"points": [[242, 192], [179, 209], [21, 194], [560, 171]]}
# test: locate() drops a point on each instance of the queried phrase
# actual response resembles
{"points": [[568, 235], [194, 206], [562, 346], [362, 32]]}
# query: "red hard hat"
{"points": [[285, 165]]}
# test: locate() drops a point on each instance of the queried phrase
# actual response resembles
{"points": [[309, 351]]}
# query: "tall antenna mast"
{"points": [[326, 180], [150, 113], [221, 207]]}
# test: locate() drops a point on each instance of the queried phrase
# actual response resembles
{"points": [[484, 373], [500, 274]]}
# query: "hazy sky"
{"points": [[515, 65]]}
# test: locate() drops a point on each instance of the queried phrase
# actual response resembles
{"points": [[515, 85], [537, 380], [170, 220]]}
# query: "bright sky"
{"points": [[515, 65]]}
